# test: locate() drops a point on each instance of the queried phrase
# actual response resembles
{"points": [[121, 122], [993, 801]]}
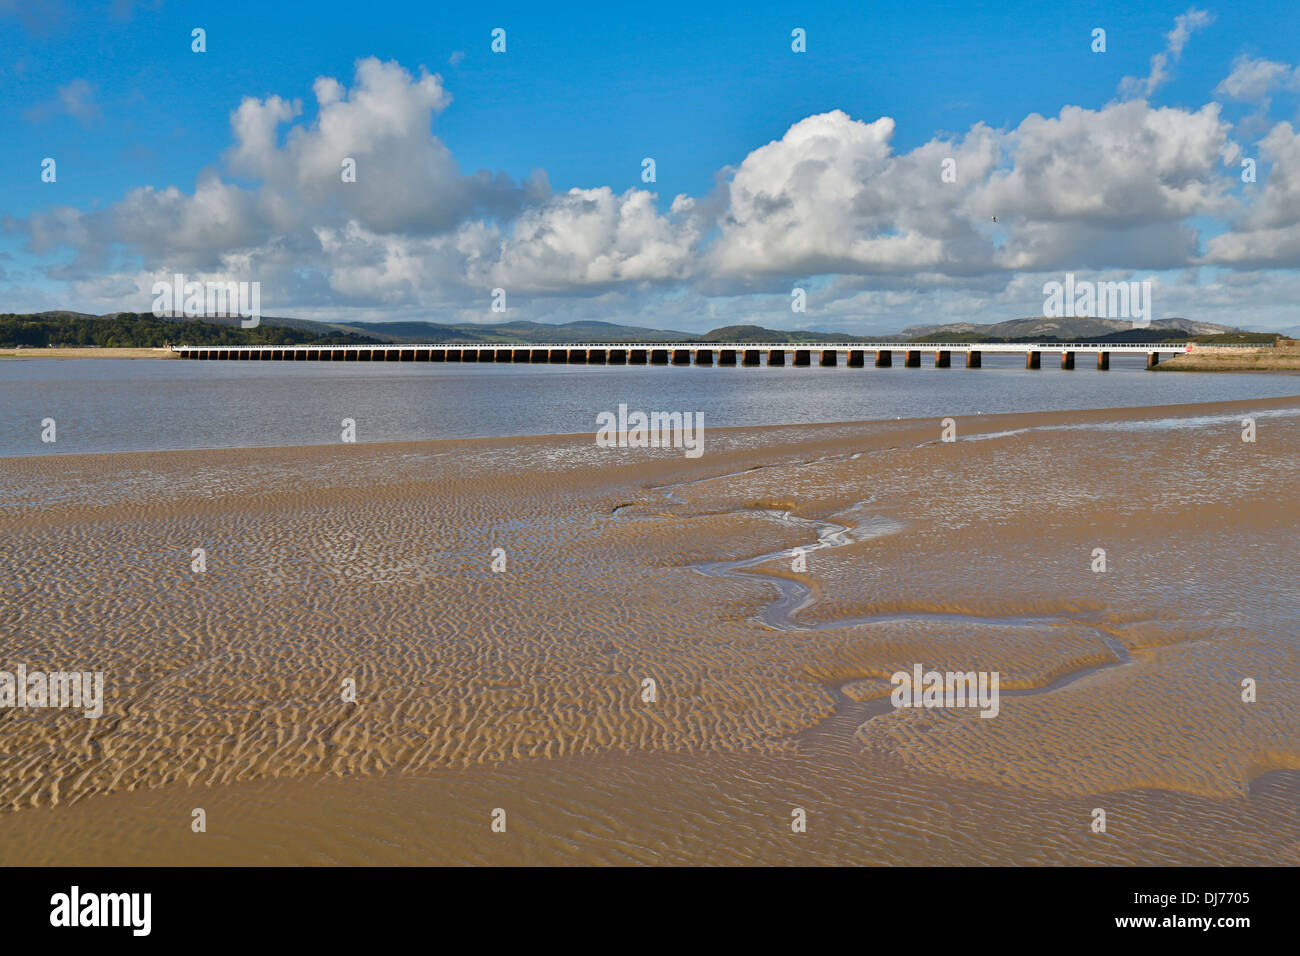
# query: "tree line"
{"points": [[136, 330]]}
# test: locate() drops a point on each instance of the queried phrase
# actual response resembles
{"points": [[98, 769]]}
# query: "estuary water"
{"points": [[113, 405]]}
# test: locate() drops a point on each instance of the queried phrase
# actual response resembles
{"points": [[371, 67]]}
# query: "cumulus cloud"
{"points": [[593, 237], [959, 220], [831, 196], [406, 179], [1102, 187], [1268, 231], [1251, 80]]}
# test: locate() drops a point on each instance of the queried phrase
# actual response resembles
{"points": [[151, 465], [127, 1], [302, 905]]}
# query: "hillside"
{"points": [[1042, 328], [129, 329]]}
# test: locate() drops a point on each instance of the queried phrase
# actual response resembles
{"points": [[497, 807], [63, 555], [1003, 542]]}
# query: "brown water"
{"points": [[522, 690]]}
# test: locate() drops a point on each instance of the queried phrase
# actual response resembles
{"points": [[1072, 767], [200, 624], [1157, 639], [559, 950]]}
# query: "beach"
{"points": [[497, 605]]}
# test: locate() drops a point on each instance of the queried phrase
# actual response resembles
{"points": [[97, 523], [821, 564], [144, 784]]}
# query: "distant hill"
{"points": [[125, 329], [515, 332], [1043, 328], [131, 330]]}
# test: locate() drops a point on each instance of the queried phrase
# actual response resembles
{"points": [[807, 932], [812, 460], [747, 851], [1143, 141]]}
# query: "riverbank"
{"points": [[1234, 360], [85, 353], [388, 642]]}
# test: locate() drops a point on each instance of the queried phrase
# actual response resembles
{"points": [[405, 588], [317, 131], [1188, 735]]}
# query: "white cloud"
{"points": [[830, 196], [1268, 231], [1123, 187], [1251, 80], [1102, 187], [1175, 40], [592, 237]]}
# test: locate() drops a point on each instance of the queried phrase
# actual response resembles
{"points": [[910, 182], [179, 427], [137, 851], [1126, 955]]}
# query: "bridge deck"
{"points": [[738, 346]]}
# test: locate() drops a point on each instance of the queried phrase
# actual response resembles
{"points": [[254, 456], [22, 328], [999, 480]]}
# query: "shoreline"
{"points": [[1013, 419]]}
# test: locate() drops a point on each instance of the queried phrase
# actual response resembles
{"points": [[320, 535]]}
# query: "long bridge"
{"points": [[687, 353]]}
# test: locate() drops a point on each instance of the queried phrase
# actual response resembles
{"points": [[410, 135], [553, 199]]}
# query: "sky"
{"points": [[865, 169]]}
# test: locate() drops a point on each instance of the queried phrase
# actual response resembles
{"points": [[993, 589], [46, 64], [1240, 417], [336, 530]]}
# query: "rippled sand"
{"points": [[523, 690]]}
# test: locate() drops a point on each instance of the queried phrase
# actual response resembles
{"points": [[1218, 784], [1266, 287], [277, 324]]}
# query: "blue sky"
{"points": [[113, 92]]}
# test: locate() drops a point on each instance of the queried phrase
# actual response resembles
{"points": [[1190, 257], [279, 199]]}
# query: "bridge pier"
{"points": [[666, 353]]}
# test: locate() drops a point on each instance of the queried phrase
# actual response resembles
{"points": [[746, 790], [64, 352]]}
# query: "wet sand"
{"points": [[523, 690]]}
